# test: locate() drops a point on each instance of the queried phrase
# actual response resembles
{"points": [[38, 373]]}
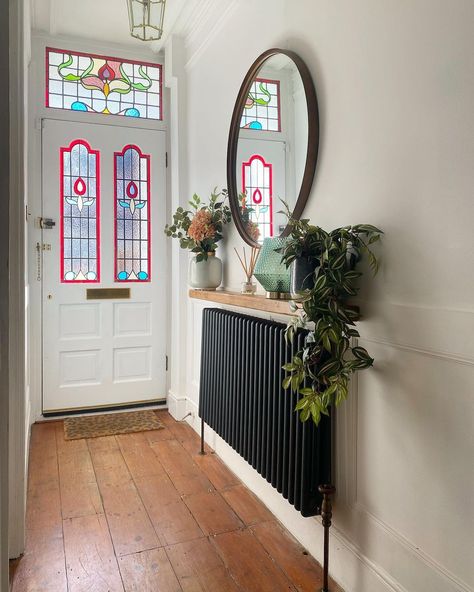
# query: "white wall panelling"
{"points": [[395, 90]]}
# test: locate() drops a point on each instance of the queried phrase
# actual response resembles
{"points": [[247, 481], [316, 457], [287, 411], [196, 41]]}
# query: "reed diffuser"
{"points": [[248, 287]]}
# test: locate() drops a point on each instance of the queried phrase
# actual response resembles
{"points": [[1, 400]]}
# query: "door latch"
{"points": [[46, 223]]}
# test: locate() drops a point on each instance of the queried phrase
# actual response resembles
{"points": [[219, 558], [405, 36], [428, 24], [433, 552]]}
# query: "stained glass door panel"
{"points": [[132, 215], [262, 175], [103, 84], [257, 185], [79, 212], [102, 352]]}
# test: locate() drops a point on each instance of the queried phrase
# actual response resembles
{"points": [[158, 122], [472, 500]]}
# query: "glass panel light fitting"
{"points": [[257, 206], [102, 84], [146, 19], [79, 213], [262, 107], [132, 215]]}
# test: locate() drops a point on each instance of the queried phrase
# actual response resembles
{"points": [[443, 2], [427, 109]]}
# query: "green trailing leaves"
{"points": [[319, 373]]}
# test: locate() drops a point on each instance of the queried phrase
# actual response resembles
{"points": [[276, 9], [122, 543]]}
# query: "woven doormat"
{"points": [[94, 426]]}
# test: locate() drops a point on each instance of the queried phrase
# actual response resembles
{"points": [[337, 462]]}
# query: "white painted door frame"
{"points": [[18, 414], [108, 353], [6, 188], [36, 113]]}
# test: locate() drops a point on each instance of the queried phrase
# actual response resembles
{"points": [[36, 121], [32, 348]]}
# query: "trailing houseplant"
{"points": [[319, 372], [199, 230]]}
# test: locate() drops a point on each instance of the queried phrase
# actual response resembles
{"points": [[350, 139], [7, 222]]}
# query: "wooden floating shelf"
{"points": [[252, 301]]}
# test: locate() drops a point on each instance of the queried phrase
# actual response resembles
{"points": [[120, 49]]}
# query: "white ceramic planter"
{"points": [[205, 275]]}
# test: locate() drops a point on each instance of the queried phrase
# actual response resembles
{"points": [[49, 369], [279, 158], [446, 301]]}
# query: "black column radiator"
{"points": [[241, 398]]}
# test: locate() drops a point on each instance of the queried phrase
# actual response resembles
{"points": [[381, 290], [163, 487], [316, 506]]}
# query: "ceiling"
{"points": [[106, 21]]}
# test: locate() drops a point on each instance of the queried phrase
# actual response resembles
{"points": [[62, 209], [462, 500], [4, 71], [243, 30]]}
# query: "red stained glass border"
{"points": [[96, 153], [270, 167], [102, 57], [148, 181]]}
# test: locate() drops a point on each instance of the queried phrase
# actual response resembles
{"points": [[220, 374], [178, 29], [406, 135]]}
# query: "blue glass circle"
{"points": [[79, 106], [132, 112], [123, 275], [142, 275], [255, 125]]}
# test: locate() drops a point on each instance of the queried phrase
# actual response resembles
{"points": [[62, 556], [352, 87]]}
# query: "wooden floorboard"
{"points": [[145, 512], [91, 563], [150, 571], [130, 526], [199, 567], [78, 487], [212, 512], [42, 568], [249, 564], [246, 505], [171, 518]]}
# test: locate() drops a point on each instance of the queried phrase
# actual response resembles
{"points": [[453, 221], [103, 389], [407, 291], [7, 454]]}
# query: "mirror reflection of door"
{"points": [[263, 181], [105, 188], [272, 146]]}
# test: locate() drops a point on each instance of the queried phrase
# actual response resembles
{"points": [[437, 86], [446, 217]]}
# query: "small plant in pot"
{"points": [[319, 372], [199, 230]]}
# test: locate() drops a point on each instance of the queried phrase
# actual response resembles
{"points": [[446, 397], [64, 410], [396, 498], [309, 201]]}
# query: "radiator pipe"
{"points": [[326, 514], [202, 451]]}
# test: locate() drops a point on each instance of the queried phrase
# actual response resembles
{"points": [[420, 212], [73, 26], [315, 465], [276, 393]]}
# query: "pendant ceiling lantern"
{"points": [[146, 19]]}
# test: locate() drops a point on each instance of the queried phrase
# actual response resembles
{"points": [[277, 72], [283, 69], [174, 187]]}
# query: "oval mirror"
{"points": [[273, 145]]}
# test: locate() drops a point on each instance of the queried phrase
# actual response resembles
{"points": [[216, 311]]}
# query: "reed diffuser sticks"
{"points": [[248, 266]]}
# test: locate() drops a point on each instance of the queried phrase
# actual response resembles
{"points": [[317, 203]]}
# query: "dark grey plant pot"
{"points": [[302, 276]]}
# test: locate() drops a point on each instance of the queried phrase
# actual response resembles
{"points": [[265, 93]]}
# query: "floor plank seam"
{"points": [[61, 508], [105, 515]]}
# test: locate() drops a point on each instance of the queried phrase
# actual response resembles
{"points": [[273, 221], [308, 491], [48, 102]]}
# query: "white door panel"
{"points": [[100, 353]]}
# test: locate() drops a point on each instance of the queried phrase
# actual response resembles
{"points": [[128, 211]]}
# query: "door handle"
{"points": [[47, 223]]}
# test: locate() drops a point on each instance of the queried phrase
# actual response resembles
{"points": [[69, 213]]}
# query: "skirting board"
{"points": [[177, 406], [354, 571]]}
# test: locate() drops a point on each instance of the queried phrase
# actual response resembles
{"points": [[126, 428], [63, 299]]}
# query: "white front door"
{"points": [[104, 266]]}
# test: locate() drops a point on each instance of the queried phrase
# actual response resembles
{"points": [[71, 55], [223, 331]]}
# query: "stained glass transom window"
{"points": [[79, 213], [262, 107], [132, 215], [257, 184], [101, 84]]}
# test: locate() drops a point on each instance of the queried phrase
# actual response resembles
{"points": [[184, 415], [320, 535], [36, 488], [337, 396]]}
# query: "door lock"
{"points": [[47, 223]]}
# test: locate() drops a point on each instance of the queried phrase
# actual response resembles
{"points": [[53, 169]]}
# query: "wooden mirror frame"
{"points": [[312, 147]]}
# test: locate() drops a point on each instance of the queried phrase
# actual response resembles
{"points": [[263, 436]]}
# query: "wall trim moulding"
{"points": [[212, 17], [432, 353], [73, 43], [439, 332], [346, 483], [398, 538]]}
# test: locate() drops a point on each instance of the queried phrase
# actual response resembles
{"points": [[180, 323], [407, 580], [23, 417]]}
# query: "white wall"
{"points": [[395, 86], [20, 52], [4, 289]]}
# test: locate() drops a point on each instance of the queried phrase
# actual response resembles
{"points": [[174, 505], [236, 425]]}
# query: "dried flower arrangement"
{"points": [[200, 229]]}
